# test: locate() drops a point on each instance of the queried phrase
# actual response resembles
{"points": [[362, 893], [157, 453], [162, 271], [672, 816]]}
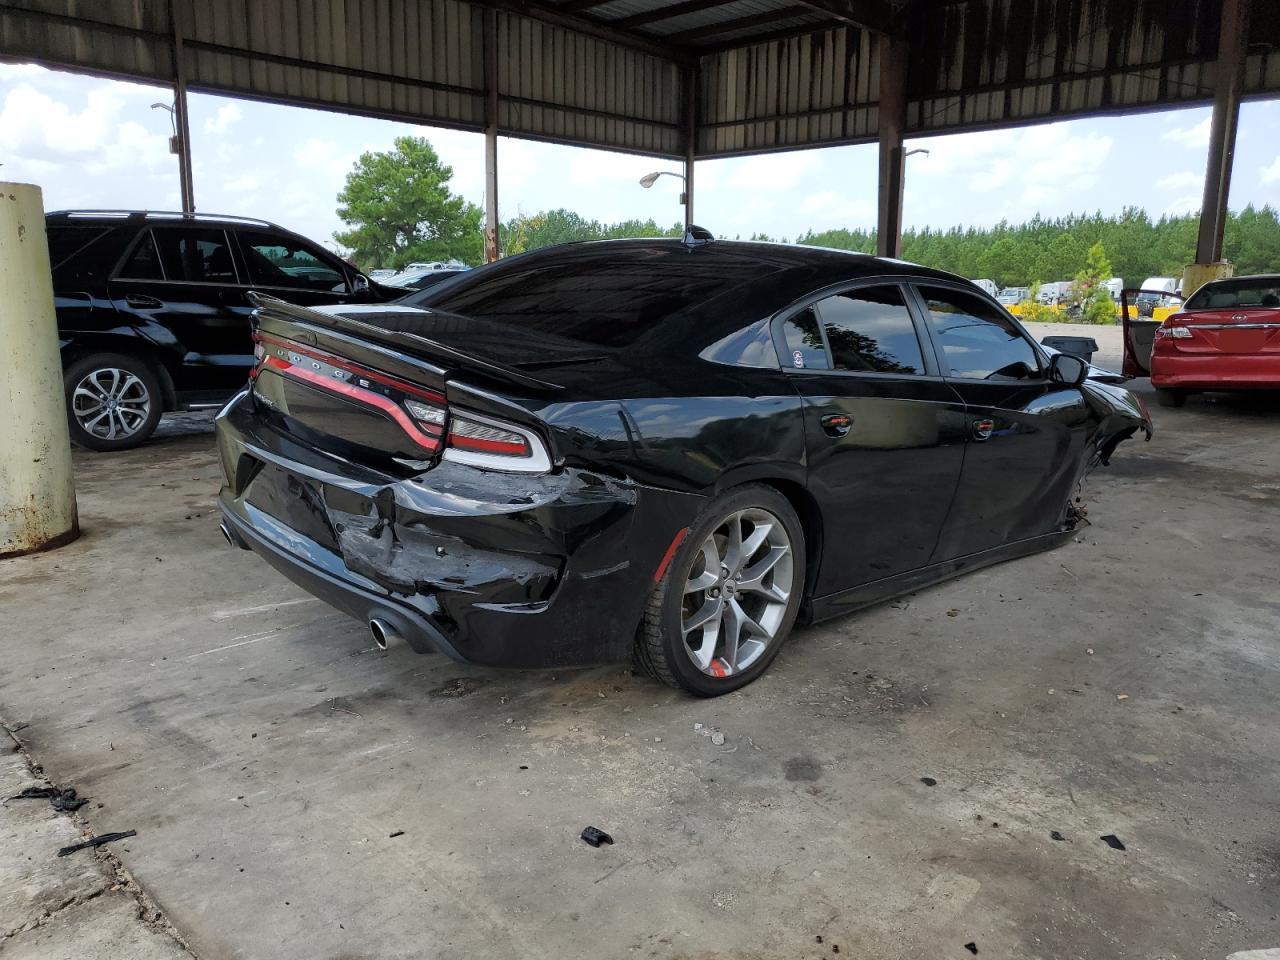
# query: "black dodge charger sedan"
{"points": [[654, 448]]}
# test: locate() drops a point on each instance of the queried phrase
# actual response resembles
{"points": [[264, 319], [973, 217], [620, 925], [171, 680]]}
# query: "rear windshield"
{"points": [[604, 297], [1245, 293]]}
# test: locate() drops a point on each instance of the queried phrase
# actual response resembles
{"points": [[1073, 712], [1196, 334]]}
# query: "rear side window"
{"points": [[144, 262], [65, 242], [191, 255], [978, 341], [805, 349], [869, 330], [277, 261]]}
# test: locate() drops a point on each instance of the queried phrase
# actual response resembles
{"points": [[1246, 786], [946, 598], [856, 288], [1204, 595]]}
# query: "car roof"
{"points": [[773, 256]]}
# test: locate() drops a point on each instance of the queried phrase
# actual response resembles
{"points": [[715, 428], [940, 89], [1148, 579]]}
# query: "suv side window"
{"points": [[870, 330], [182, 254], [805, 348], [978, 341], [278, 261], [144, 262]]}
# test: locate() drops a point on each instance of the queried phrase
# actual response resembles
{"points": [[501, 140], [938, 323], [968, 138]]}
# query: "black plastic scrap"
{"points": [[972, 948], [97, 841], [1055, 835], [595, 836], [60, 799], [1112, 841]]}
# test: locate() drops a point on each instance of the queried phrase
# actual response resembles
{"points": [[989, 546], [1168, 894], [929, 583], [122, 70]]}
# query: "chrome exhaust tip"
{"points": [[384, 634], [226, 535]]}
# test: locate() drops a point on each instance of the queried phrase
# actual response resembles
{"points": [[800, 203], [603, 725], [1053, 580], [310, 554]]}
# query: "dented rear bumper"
{"points": [[488, 568]]}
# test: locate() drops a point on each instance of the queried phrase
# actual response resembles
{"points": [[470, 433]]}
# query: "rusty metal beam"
{"points": [[871, 15], [892, 124], [599, 29], [738, 23], [1222, 135], [667, 13], [489, 39]]}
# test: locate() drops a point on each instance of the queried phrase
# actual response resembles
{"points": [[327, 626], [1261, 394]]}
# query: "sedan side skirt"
{"points": [[867, 594]]}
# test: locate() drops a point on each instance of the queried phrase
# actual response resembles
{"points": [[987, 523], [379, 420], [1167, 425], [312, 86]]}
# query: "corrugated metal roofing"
{"points": [[770, 74]]}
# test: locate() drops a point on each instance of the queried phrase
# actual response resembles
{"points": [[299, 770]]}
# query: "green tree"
{"points": [[1096, 305], [400, 209]]}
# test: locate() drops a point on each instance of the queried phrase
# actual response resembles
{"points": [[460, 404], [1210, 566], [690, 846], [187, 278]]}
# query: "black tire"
{"points": [[138, 408], [660, 644], [1170, 398]]}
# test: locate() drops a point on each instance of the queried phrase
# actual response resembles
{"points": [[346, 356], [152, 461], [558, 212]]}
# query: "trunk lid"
{"points": [[362, 386], [1231, 330]]}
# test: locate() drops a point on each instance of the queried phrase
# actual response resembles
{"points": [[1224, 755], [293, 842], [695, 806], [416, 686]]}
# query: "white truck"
{"points": [[988, 286]]}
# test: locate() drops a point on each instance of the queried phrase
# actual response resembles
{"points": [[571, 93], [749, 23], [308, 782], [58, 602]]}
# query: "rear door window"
{"points": [[65, 242], [274, 260], [869, 330], [182, 254], [805, 347], [978, 341]]}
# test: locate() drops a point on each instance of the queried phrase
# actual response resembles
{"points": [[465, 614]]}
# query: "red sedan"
{"points": [[1226, 337]]}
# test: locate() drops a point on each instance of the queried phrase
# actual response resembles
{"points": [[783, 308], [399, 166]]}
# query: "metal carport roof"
{"points": [[682, 79]]}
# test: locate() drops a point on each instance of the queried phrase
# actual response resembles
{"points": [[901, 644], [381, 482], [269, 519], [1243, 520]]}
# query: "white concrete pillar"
{"points": [[37, 496]]}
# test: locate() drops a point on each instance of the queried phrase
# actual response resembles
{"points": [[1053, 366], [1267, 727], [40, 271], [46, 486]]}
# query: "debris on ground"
{"points": [[1055, 835], [595, 836], [398, 833], [718, 738], [929, 781], [953, 613], [97, 841], [1112, 841], [1122, 696], [63, 799], [972, 947]]}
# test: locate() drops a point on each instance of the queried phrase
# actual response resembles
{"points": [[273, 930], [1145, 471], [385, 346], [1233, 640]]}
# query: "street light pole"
{"points": [[649, 179]]}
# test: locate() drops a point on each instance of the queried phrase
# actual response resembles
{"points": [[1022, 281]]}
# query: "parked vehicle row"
{"points": [[665, 449]]}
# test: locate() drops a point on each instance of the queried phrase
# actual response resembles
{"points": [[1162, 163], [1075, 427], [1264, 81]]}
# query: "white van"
{"points": [[988, 286]]}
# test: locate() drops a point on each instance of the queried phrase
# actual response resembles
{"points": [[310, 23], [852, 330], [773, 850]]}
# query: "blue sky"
{"points": [[91, 142]]}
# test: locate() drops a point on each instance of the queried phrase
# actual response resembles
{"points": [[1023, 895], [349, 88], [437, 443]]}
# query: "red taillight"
{"points": [[423, 414], [467, 434]]}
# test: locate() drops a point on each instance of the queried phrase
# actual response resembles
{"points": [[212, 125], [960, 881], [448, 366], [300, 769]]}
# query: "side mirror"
{"points": [[359, 284], [1065, 368]]}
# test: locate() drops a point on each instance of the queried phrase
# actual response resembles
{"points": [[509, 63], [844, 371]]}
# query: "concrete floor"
{"points": [[269, 757]]}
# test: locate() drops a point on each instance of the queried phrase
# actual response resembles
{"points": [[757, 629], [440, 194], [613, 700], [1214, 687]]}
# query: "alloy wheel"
{"points": [[110, 403], [736, 592]]}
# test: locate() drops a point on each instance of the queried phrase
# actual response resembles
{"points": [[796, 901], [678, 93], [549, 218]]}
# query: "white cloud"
{"points": [[228, 114], [1027, 169], [829, 208], [1184, 180], [1195, 137], [1190, 203], [774, 173], [1271, 173], [245, 183]]}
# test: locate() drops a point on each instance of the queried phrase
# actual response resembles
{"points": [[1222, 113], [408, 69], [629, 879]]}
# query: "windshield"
{"points": [[1244, 293]]}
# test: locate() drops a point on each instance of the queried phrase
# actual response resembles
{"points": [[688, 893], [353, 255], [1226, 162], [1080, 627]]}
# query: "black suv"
{"points": [[153, 312]]}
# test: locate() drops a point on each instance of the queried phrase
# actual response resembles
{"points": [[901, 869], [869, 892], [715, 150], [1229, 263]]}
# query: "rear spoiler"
{"points": [[422, 347]]}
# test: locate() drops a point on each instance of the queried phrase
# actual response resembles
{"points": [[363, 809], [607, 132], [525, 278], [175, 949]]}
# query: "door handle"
{"points": [[836, 424], [982, 429], [143, 302]]}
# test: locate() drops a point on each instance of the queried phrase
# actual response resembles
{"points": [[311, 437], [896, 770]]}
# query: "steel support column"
{"points": [[181, 122], [690, 140], [492, 247], [892, 122], [1222, 136]]}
